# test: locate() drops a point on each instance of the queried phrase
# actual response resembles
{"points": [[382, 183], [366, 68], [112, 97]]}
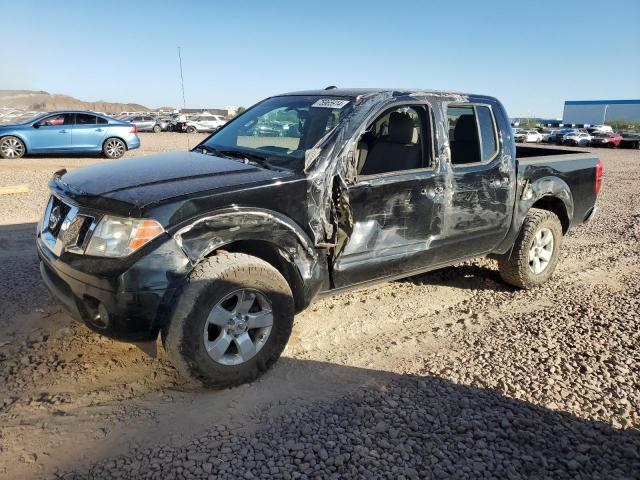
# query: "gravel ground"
{"points": [[449, 374]]}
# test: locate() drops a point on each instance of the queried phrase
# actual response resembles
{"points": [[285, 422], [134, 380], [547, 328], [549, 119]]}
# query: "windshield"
{"points": [[279, 130]]}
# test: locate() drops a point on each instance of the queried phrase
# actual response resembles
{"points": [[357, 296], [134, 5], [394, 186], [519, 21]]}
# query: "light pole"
{"points": [[604, 115]]}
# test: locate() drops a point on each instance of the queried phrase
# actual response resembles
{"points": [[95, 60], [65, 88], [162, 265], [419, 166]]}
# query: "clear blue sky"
{"points": [[532, 55]]}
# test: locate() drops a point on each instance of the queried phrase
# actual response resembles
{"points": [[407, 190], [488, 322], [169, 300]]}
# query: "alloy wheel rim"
{"points": [[115, 148], [12, 148], [238, 326], [541, 250]]}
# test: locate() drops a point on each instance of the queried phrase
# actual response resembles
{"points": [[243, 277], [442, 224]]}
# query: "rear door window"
{"points": [[472, 134], [84, 119], [488, 140]]}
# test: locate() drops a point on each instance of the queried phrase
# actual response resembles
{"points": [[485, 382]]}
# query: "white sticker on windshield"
{"points": [[330, 103]]}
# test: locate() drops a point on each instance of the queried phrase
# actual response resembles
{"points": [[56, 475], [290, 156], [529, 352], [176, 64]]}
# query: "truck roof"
{"points": [[354, 92]]}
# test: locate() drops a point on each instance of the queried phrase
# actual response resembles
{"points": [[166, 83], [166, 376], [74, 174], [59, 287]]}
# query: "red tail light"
{"points": [[134, 129], [598, 176]]}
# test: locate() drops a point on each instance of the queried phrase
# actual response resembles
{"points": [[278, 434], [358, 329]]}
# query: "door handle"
{"points": [[432, 192], [63, 131], [499, 182], [98, 129]]}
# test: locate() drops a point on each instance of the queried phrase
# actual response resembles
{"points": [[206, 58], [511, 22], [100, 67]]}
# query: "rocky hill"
{"points": [[45, 101]]}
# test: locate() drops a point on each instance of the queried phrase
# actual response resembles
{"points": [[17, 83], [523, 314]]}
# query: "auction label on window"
{"points": [[330, 103]]}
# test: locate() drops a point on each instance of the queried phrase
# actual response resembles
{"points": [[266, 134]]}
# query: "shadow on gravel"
{"points": [[20, 284], [320, 420], [471, 277]]}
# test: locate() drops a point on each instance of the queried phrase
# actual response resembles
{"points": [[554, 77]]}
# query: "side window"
{"points": [[102, 121], [84, 119], [488, 140], [472, 134], [57, 120], [394, 142]]}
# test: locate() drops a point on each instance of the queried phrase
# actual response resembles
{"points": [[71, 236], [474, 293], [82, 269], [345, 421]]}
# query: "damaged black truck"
{"points": [[303, 195]]}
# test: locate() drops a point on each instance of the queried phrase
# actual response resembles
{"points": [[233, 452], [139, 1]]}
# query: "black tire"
{"points": [[12, 148], [210, 282], [157, 129], [191, 129], [114, 148], [515, 269]]}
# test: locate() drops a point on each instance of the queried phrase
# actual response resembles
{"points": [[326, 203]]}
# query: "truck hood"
{"points": [[129, 185]]}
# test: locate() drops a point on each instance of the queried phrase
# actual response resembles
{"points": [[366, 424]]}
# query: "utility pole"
{"points": [[604, 115]]}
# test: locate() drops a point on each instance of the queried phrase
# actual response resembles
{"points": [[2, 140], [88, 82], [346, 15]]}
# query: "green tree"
{"points": [[622, 124]]}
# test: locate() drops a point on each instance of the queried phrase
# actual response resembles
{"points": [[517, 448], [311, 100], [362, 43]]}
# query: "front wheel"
{"points": [[534, 256], [157, 129], [12, 148], [114, 148], [231, 322], [191, 129]]}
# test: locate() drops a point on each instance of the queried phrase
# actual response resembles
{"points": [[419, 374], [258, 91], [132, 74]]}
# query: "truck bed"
{"points": [[576, 168]]}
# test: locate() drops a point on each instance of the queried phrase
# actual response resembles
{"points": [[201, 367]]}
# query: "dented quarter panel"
{"points": [[565, 175]]}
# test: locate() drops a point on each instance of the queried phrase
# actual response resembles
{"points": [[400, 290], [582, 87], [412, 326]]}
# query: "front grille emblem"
{"points": [[54, 217]]}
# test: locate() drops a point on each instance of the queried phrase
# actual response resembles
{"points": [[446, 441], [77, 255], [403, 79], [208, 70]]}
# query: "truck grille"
{"points": [[64, 228]]}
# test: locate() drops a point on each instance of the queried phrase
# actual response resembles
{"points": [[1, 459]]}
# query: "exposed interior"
{"points": [[396, 141]]}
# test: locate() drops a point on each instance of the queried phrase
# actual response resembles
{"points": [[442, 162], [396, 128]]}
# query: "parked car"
{"points": [[549, 136], [528, 136], [561, 133], [217, 249], [204, 123], [606, 139], [166, 123], [68, 131], [581, 139], [146, 123], [630, 140], [600, 129]]}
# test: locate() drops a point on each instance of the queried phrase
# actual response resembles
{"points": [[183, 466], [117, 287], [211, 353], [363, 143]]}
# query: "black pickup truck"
{"points": [[303, 195]]}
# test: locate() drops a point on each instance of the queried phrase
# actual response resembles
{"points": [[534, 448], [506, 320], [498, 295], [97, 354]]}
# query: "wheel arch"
{"points": [[547, 193], [273, 255], [19, 137], [262, 233], [555, 205], [109, 137]]}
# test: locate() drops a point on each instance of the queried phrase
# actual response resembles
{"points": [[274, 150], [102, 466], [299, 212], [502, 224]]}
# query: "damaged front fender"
{"points": [[224, 227]]}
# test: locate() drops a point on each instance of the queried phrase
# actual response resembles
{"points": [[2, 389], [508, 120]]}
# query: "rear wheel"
{"points": [[113, 148], [534, 256], [12, 148], [231, 322], [191, 129]]}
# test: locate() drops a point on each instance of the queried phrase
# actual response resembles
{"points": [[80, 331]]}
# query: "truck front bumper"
{"points": [[117, 304]]}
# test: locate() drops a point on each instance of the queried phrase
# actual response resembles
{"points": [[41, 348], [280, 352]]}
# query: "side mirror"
{"points": [[36, 125]]}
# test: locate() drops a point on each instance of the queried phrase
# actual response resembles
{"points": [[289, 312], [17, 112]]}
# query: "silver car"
{"points": [[145, 123]]}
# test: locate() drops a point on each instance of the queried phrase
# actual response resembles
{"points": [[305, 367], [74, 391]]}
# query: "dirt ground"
{"points": [[448, 374]]}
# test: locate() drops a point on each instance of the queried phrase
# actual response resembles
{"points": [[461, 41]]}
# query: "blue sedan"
{"points": [[68, 132]]}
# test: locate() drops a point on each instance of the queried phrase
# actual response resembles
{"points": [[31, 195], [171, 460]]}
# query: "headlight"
{"points": [[119, 237]]}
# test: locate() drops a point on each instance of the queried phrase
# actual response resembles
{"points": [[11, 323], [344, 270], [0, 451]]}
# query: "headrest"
{"points": [[465, 129], [400, 127]]}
